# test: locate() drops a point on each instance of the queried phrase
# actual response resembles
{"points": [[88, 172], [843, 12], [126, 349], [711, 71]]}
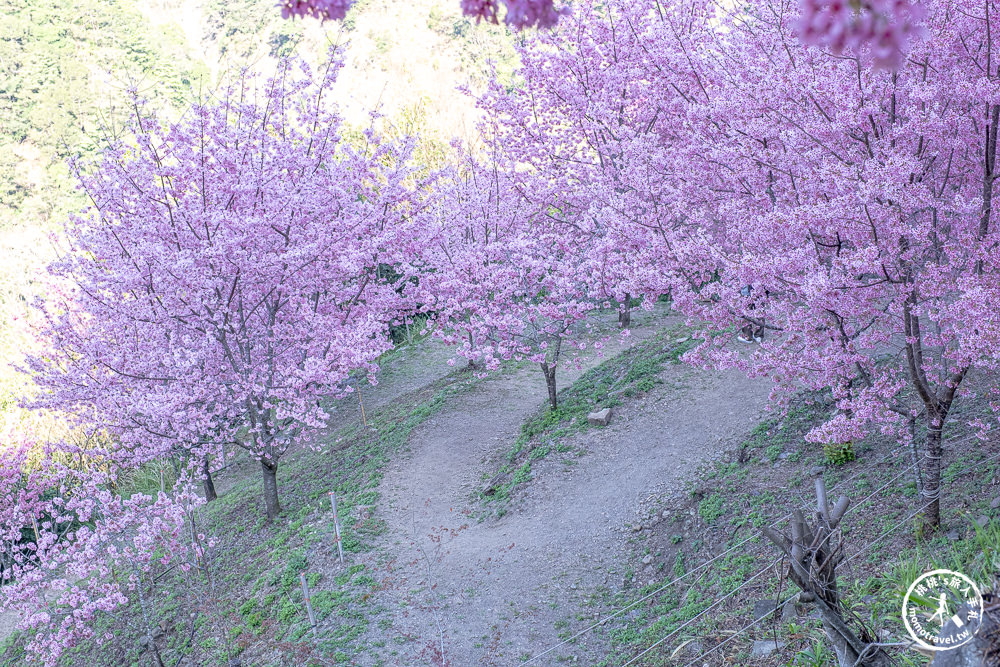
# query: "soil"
{"points": [[462, 591], [497, 592]]}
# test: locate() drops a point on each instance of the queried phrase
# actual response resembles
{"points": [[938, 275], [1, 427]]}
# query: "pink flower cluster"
{"points": [[520, 14], [878, 31], [323, 10], [76, 550]]}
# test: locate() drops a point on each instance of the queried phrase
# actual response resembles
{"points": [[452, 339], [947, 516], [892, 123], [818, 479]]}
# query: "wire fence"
{"points": [[911, 466], [853, 556]]}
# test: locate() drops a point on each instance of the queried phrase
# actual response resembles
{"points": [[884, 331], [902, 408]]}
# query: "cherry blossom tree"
{"points": [[583, 127], [73, 550], [229, 273], [503, 281], [849, 212]]}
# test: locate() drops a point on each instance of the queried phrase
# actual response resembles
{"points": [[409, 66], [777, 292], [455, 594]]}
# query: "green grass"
{"points": [[342, 603], [632, 373], [256, 565], [11, 652], [711, 508]]}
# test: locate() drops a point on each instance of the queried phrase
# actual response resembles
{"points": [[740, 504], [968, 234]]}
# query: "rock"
{"points": [[599, 418], [784, 456], [974, 653], [636, 527], [816, 471], [982, 521], [647, 559], [763, 609], [491, 486], [665, 515], [995, 503], [765, 647], [789, 611], [682, 340], [953, 535]]}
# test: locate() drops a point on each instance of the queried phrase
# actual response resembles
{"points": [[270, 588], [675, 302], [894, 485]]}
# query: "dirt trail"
{"points": [[408, 369], [497, 592], [500, 591]]}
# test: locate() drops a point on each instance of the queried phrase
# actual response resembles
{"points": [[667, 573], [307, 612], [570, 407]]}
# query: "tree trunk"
{"points": [[472, 362], [846, 656], [207, 481], [550, 382], [625, 312], [271, 505], [931, 474]]}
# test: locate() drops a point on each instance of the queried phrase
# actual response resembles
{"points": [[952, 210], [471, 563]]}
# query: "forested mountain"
{"points": [[66, 66], [63, 64]]}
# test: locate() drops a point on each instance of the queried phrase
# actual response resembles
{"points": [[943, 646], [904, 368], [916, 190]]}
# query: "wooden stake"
{"points": [[364, 419], [305, 596], [336, 526]]}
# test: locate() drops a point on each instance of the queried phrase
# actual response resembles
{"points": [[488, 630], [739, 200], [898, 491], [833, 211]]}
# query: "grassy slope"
{"points": [[254, 605], [627, 375], [760, 483]]}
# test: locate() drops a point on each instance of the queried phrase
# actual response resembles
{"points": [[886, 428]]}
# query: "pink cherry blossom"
{"points": [[230, 274]]}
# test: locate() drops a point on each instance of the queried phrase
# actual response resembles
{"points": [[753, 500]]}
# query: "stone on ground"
{"points": [[599, 418], [765, 647]]}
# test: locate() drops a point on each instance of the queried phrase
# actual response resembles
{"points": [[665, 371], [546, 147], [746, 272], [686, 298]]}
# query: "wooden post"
{"points": [[364, 419], [336, 526], [814, 552], [309, 606]]}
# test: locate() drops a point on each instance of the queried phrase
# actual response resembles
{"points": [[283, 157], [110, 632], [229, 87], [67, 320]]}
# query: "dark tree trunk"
{"points": [[931, 474], [625, 312], [472, 362], [270, 473], [207, 482], [550, 383]]}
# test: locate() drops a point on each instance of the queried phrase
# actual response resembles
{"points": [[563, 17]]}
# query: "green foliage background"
{"points": [[66, 67]]}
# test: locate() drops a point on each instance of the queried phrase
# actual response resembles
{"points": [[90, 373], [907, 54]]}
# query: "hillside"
{"points": [[66, 65]]}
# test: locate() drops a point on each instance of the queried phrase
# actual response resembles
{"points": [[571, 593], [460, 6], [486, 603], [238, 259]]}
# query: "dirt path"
{"points": [[500, 591], [410, 368]]}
